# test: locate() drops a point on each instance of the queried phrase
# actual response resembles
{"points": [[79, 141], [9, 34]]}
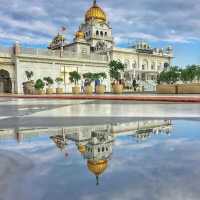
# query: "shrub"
{"points": [[39, 85], [49, 81]]}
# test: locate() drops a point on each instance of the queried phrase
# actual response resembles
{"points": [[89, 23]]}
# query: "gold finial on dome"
{"points": [[96, 13]]}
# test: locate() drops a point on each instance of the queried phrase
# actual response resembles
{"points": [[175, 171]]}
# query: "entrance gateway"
{"points": [[5, 82]]}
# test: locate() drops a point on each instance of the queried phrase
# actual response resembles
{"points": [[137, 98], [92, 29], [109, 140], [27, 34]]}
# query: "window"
{"points": [[134, 65], [143, 67], [166, 65], [127, 64], [101, 33], [153, 66], [97, 33], [103, 149], [84, 51], [105, 33]]}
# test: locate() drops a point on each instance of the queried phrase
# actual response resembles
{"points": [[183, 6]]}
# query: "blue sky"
{"points": [[162, 23]]}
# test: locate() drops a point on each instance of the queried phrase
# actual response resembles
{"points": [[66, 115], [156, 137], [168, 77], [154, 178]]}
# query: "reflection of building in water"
{"points": [[93, 142], [60, 140], [98, 152], [144, 133]]}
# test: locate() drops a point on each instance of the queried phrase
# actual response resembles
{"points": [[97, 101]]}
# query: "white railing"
{"points": [[65, 54], [5, 50]]}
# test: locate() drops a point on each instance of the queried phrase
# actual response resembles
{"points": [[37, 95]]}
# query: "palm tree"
{"points": [[29, 75]]}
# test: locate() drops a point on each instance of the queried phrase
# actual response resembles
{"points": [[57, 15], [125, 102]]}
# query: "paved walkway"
{"points": [[128, 97]]}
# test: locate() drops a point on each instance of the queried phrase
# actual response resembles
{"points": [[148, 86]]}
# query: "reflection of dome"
{"points": [[97, 168], [95, 12], [81, 149], [80, 35]]}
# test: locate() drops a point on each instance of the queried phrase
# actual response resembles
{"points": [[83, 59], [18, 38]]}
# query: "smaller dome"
{"points": [[80, 35], [81, 149], [59, 37], [97, 168]]}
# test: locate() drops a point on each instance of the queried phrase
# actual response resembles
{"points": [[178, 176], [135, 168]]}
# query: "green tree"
{"points": [[74, 77], [116, 67], [191, 71], [198, 72], [90, 77], [170, 76]]}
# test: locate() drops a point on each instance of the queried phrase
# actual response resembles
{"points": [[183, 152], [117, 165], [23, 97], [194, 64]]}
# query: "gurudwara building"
{"points": [[92, 49]]}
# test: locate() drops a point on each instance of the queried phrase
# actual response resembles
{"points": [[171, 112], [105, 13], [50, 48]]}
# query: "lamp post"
{"points": [[65, 79]]}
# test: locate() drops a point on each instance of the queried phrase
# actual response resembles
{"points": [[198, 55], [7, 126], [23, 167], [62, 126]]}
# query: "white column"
{"points": [[19, 81]]}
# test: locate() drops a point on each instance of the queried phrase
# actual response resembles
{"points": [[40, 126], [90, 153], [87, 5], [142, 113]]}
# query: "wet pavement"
{"points": [[30, 112]]}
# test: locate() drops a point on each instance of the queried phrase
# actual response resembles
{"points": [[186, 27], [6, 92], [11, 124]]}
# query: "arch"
{"points": [[97, 33], [127, 64], [101, 33], [134, 64], [153, 66], [5, 82], [166, 65], [106, 34], [159, 66], [145, 64]]}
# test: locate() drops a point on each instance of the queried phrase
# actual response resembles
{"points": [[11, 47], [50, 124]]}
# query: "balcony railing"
{"points": [[65, 54]]}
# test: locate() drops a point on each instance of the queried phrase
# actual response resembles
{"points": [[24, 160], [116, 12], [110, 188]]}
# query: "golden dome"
{"points": [[97, 168], [80, 35], [95, 12], [81, 149], [59, 37]]}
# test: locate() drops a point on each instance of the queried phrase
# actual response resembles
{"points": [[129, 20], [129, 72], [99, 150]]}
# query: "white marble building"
{"points": [[92, 49]]}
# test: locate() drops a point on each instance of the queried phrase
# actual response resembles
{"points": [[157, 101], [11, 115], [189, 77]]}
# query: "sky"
{"points": [[162, 23]]}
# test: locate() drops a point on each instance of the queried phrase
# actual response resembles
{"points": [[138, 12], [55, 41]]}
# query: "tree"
{"points": [[198, 73], [90, 77], [29, 75], [102, 75], [184, 75], [171, 76], [116, 67], [74, 77], [191, 70]]}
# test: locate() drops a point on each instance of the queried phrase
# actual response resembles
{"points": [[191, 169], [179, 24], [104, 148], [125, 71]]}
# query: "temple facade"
{"points": [[91, 50]]}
